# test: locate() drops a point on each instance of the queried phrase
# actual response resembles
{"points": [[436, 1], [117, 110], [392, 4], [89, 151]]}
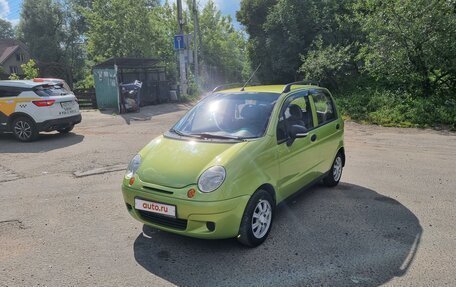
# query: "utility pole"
{"points": [[196, 41], [182, 68]]}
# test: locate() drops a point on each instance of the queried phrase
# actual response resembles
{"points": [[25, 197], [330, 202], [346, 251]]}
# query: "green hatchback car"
{"points": [[224, 167]]}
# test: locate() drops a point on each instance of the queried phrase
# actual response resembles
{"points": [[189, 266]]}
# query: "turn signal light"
{"points": [[191, 193], [132, 181], [44, 103]]}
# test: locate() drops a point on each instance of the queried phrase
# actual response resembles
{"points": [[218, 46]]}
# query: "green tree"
{"points": [[163, 27], [410, 43], [30, 70], [283, 30], [118, 28], [223, 48], [326, 64], [6, 29], [40, 28], [253, 15]]}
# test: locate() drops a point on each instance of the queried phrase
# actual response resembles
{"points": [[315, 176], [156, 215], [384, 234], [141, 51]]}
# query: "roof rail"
{"points": [[287, 87], [223, 87]]}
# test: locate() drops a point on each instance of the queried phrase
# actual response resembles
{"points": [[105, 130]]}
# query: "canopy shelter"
{"points": [[112, 73]]}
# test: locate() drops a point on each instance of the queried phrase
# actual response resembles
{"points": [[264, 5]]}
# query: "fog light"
{"points": [[132, 181], [210, 226], [191, 193]]}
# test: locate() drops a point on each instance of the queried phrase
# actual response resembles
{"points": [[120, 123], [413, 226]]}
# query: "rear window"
{"points": [[51, 90]]}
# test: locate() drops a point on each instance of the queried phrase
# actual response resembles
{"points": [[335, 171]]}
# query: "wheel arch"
{"points": [[16, 115], [270, 189], [342, 152]]}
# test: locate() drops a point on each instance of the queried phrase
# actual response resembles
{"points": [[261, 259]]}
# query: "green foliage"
{"points": [[30, 70], [40, 28], [405, 48], [118, 28], [162, 24], [325, 64], [283, 30], [13, 76], [87, 83], [388, 107], [223, 49], [6, 29], [410, 43]]}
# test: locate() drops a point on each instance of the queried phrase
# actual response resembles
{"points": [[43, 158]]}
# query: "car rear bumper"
{"points": [[207, 220], [57, 124]]}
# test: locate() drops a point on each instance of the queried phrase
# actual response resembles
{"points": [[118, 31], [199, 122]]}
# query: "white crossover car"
{"points": [[29, 107]]}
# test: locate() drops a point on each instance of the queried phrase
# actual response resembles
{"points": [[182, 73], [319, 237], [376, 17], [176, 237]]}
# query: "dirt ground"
{"points": [[390, 222]]}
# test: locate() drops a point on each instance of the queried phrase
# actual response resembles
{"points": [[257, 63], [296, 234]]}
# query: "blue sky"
{"points": [[228, 7], [10, 9]]}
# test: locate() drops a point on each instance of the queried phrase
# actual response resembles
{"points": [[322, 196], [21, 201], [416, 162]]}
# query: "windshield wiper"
{"points": [[180, 133], [216, 136]]}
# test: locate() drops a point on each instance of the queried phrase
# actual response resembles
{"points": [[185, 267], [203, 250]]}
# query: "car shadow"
{"points": [[46, 142], [348, 235]]}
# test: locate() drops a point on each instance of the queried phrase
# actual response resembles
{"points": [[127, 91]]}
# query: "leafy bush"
{"points": [[397, 108], [14, 76], [30, 69]]}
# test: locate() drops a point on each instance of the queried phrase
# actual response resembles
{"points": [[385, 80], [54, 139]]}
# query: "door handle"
{"points": [[337, 126], [313, 138]]}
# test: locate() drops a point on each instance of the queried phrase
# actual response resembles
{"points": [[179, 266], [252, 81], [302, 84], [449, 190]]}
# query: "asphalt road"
{"points": [[391, 222]]}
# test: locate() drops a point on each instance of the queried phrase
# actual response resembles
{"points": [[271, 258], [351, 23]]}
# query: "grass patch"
{"points": [[397, 108]]}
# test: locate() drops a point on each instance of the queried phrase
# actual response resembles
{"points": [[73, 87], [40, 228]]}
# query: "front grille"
{"points": [[156, 190], [162, 220]]}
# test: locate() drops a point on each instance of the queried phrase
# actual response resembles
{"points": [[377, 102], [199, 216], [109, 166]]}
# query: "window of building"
{"points": [[14, 69]]}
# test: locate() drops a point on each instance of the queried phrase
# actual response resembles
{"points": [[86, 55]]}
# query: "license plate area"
{"points": [[155, 207], [67, 105]]}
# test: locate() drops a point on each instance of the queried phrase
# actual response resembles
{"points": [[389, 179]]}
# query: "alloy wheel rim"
{"points": [[261, 219], [23, 130], [337, 169]]}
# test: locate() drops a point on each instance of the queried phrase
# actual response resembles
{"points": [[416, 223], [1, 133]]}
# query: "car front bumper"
{"points": [[57, 124], [224, 217]]}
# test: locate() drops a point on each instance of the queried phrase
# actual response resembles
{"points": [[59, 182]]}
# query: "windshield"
{"points": [[231, 116]]}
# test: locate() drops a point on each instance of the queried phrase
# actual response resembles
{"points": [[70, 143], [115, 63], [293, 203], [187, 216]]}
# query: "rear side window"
{"points": [[324, 107], [8, 92], [49, 91]]}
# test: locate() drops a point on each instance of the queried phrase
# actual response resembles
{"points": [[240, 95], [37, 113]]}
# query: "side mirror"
{"points": [[296, 132]]}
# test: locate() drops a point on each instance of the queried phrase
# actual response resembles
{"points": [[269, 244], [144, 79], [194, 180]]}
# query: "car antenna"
{"points": [[251, 77]]}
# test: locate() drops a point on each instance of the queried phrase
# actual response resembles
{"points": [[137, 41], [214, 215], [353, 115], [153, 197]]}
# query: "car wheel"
{"points": [[24, 129], [257, 219], [334, 175], [66, 130]]}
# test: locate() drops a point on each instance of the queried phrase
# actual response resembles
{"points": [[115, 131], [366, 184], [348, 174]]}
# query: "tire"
{"points": [[335, 173], [66, 130], [257, 220], [24, 129]]}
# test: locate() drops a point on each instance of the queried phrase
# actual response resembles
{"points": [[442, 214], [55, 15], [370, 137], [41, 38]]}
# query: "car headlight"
{"points": [[211, 179], [134, 165]]}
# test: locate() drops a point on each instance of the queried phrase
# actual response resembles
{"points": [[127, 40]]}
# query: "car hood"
{"points": [[179, 163]]}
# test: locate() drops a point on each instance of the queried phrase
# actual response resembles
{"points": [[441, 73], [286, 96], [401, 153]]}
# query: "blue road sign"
{"points": [[179, 42]]}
